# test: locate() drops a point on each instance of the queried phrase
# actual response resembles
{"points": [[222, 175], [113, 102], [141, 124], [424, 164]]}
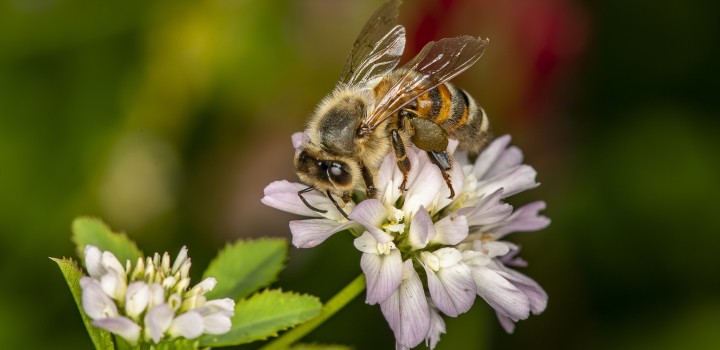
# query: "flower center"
{"points": [[385, 248]]}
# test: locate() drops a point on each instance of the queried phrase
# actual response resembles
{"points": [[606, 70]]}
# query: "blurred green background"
{"points": [[167, 119]]}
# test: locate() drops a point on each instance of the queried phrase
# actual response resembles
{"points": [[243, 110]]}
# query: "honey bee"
{"points": [[377, 108]]}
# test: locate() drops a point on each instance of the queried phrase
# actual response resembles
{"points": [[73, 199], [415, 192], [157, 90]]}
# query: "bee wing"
{"points": [[437, 63], [378, 48]]}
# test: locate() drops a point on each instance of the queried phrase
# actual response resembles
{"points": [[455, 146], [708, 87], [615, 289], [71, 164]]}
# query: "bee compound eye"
{"points": [[336, 171], [339, 174]]}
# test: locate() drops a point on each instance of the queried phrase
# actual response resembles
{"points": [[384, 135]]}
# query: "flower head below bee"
{"points": [[456, 242], [150, 301]]}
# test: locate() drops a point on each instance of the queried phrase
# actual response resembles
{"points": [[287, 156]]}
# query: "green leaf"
{"points": [[314, 346], [175, 344], [263, 315], [246, 266], [87, 230], [72, 273]]}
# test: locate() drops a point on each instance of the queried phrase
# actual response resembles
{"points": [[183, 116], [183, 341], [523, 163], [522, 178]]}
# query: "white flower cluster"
{"points": [[150, 302], [457, 243]]}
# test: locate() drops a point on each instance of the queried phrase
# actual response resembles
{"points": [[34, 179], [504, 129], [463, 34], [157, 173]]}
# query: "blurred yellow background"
{"points": [[167, 119]]}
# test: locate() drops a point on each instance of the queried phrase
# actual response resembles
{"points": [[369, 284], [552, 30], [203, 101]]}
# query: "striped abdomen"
{"points": [[457, 113]]}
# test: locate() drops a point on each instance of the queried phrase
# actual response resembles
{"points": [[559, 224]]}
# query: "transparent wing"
{"points": [[378, 48], [437, 63]]}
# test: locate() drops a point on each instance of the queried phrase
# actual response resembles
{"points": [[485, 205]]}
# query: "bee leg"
{"points": [[432, 138], [336, 204], [300, 194], [403, 162], [368, 178], [442, 160]]}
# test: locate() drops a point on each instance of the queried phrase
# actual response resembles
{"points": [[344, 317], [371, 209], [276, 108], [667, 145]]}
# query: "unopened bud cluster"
{"points": [[152, 300]]}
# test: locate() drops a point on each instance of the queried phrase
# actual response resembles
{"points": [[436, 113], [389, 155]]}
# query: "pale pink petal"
{"points": [[157, 294], [388, 180], [536, 294], [406, 310], [489, 210], [372, 214], [110, 262], [421, 229], [452, 146], [458, 283], [500, 294], [383, 274], [524, 219], [487, 157], [311, 232], [448, 256], [366, 243], [507, 324], [457, 178], [95, 302], [188, 325], [475, 259], [492, 249], [283, 195], [297, 139], [480, 253], [452, 287], [92, 261], [136, 298], [511, 258], [206, 285], [512, 181], [424, 189], [451, 230], [216, 323], [224, 306], [157, 321], [437, 327], [509, 158], [121, 326], [113, 284], [181, 259]]}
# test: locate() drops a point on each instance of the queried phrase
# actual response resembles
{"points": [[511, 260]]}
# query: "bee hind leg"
{"points": [[432, 138], [403, 162], [442, 160]]}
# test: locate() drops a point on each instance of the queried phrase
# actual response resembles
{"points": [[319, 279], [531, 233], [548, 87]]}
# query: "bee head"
{"points": [[336, 120], [324, 174]]}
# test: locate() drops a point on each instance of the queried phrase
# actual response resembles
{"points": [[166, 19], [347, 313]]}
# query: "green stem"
{"points": [[330, 308]]}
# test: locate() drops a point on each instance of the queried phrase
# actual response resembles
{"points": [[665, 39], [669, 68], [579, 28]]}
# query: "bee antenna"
{"points": [[336, 205], [300, 194]]}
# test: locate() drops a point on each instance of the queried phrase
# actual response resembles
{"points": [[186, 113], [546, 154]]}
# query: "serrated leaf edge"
{"points": [[71, 263], [268, 290], [293, 293], [79, 249], [230, 245], [273, 335]]}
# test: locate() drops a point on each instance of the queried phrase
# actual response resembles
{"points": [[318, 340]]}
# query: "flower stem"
{"points": [[333, 305]]}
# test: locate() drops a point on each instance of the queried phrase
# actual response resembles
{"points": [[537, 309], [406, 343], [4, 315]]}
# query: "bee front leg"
{"points": [[338, 206], [403, 162], [369, 183], [442, 160]]}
